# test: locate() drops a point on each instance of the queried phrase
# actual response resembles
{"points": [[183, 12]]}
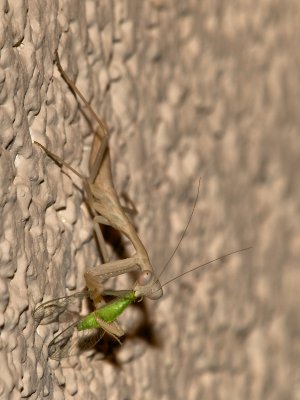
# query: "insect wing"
{"points": [[71, 342], [50, 311]]}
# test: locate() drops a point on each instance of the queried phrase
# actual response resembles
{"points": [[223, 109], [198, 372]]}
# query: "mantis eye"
{"points": [[144, 278]]}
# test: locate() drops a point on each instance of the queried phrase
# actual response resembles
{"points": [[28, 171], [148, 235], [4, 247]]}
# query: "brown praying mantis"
{"points": [[106, 209]]}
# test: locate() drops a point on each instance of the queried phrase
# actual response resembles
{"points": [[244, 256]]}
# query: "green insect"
{"points": [[85, 333]]}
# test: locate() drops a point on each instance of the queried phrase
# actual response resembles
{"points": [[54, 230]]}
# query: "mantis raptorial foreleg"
{"points": [[106, 209]]}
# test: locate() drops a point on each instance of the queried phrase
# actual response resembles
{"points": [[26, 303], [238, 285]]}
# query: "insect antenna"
{"points": [[184, 232], [205, 265]]}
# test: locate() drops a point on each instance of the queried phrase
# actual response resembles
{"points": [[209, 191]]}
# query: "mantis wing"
{"points": [[71, 342]]}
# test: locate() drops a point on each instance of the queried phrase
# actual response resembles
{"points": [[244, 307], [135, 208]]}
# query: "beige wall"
{"points": [[208, 89]]}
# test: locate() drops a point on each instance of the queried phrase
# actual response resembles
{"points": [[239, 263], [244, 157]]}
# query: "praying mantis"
{"points": [[106, 209]]}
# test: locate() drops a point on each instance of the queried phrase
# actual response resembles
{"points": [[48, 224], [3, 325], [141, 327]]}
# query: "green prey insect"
{"points": [[88, 331]]}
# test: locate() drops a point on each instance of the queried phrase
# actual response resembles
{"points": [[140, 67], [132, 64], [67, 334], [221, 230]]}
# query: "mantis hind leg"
{"points": [[89, 198]]}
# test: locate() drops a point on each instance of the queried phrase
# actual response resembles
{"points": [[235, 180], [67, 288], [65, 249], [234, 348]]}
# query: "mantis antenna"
{"points": [[182, 237], [184, 232], [206, 264]]}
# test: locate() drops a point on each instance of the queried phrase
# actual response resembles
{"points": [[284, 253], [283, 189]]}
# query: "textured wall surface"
{"points": [[188, 89]]}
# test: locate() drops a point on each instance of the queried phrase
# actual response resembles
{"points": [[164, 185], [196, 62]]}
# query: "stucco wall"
{"points": [[206, 89]]}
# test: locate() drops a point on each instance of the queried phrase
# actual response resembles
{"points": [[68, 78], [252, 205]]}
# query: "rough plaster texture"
{"points": [[189, 89]]}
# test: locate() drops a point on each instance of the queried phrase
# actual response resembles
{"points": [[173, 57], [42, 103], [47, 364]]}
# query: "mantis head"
{"points": [[148, 285]]}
